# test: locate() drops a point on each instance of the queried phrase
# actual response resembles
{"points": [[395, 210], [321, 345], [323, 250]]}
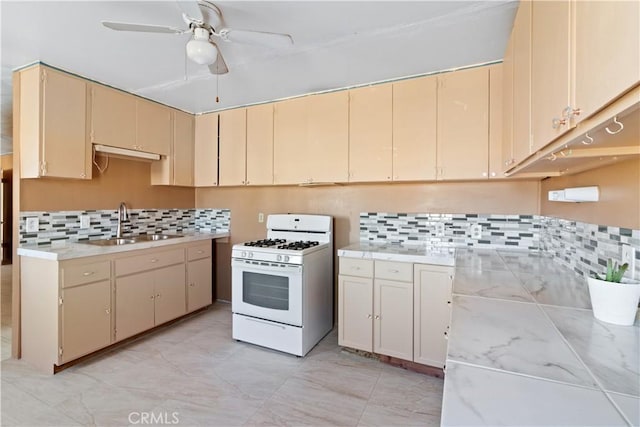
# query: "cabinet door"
{"points": [[328, 137], [260, 145], [432, 313], [393, 318], [507, 107], [134, 304], [170, 293], [550, 69], [65, 150], [290, 157], [206, 150], [153, 127], [85, 319], [183, 142], [495, 121], [233, 147], [414, 129], [113, 117], [463, 124], [199, 292], [521, 36], [370, 133], [607, 41], [355, 312]]}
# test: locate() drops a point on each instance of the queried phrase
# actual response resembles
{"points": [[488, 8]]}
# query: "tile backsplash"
{"points": [[65, 225], [583, 247]]}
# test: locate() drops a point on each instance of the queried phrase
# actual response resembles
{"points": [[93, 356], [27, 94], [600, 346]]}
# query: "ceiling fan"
{"points": [[203, 18]]}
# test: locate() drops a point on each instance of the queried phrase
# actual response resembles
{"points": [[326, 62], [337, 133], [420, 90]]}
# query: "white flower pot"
{"points": [[615, 303]]}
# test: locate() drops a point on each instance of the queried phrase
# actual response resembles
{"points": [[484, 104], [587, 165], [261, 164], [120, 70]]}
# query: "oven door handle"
{"points": [[293, 269]]}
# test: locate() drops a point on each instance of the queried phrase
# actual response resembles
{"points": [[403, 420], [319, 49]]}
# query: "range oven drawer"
{"points": [[268, 334]]}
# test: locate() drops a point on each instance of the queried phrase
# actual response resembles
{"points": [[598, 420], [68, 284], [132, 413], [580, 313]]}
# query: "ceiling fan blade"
{"points": [[219, 67], [191, 9], [123, 26], [256, 37]]}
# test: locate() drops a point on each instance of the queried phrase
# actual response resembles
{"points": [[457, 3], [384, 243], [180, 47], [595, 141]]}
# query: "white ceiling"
{"points": [[337, 44]]}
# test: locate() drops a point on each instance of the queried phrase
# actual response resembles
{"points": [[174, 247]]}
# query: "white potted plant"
{"points": [[613, 298]]}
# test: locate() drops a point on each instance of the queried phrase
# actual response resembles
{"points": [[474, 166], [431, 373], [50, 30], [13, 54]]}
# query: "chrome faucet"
{"points": [[123, 215]]}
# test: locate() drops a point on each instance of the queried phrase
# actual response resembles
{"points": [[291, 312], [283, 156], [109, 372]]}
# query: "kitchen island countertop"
{"points": [[69, 250]]}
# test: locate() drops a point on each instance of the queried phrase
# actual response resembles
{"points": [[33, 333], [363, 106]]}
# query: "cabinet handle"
{"points": [[200, 251], [154, 260], [191, 284], [377, 316], [391, 270], [570, 112], [556, 122], [248, 182], [108, 311], [83, 175], [369, 316], [158, 296], [354, 267], [88, 273], [493, 174], [152, 297], [484, 174]]}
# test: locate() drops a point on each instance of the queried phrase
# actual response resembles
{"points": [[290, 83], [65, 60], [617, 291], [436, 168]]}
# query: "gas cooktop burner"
{"points": [[265, 243], [298, 246]]}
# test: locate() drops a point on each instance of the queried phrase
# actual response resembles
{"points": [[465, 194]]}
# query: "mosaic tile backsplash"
{"points": [[65, 225], [580, 246]]}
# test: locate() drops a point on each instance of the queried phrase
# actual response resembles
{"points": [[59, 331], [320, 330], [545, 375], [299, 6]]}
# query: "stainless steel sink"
{"points": [[130, 240]]}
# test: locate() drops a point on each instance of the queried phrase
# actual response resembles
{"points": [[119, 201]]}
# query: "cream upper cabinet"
{"points": [[507, 107], [521, 39], [153, 127], [183, 141], [551, 51], [607, 52], [414, 129], [113, 117], [496, 97], [233, 147], [463, 124], [205, 167], [432, 313], [53, 125], [328, 137], [290, 158], [370, 133], [259, 151]]}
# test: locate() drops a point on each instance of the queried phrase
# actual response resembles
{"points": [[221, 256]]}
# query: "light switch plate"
{"points": [[260, 217], [32, 225], [84, 221]]}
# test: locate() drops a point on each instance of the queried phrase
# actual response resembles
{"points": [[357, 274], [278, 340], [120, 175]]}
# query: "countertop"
{"points": [[404, 253], [71, 250], [525, 349]]}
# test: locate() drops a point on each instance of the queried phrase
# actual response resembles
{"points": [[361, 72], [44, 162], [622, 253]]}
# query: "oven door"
{"points": [[267, 290]]}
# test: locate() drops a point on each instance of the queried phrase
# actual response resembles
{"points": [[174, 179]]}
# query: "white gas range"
{"points": [[282, 286]]}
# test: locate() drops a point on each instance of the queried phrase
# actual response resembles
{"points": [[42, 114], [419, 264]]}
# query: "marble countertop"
{"points": [[404, 253], [525, 349], [70, 250]]}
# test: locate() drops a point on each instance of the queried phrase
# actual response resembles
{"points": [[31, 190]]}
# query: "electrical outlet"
{"points": [[439, 229], [32, 225], [629, 257], [476, 231], [84, 221], [260, 217]]}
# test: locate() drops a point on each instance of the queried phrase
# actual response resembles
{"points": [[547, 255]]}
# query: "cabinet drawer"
{"points": [[199, 251], [149, 261], [73, 275], [391, 270], [356, 267]]}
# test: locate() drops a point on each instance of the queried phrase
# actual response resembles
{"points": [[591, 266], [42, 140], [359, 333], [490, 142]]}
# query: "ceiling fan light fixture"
{"points": [[200, 49]]}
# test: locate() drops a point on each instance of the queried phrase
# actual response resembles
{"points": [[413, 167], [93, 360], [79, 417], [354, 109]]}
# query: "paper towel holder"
{"points": [[575, 194]]}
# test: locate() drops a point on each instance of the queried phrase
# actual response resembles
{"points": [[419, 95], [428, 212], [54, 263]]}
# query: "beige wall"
{"points": [[6, 162], [124, 180], [619, 203], [345, 202]]}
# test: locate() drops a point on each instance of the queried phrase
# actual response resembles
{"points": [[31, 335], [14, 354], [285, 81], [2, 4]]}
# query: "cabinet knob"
{"points": [[82, 175], [570, 112], [556, 122], [158, 296], [392, 270], [484, 174], [369, 316], [377, 316], [152, 296], [200, 251], [154, 260], [493, 174], [108, 311], [88, 273]]}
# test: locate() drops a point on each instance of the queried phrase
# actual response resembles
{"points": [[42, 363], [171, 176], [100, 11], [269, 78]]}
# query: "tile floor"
{"points": [[194, 373]]}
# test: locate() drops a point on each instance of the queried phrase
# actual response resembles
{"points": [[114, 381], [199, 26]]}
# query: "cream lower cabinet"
{"points": [[432, 290], [394, 308], [149, 291], [199, 276]]}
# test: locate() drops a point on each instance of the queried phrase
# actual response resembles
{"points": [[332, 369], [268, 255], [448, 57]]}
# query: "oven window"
{"points": [[265, 290]]}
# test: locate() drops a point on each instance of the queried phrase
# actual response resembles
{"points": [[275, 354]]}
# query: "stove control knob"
{"points": [[279, 258], [244, 254], [286, 258]]}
